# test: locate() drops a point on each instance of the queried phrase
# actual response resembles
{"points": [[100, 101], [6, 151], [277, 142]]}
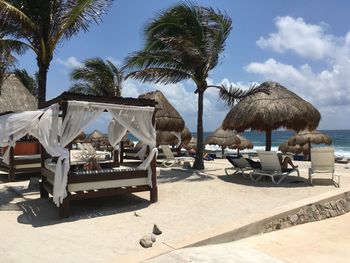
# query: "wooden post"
{"points": [[222, 152], [116, 157], [121, 149], [154, 189], [65, 207], [12, 175], [43, 155], [268, 140]]}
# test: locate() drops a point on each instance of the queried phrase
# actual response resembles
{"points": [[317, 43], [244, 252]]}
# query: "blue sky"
{"points": [[304, 45]]}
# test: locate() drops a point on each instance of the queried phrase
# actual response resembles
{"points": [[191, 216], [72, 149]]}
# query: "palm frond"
{"points": [[232, 94], [79, 15], [159, 75], [30, 82]]}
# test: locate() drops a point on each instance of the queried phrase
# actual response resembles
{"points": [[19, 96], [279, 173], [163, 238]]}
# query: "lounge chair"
{"points": [[271, 167], [322, 161], [239, 165], [170, 160]]}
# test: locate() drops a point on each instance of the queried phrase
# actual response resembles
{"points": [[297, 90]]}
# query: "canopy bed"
{"points": [[58, 123]]}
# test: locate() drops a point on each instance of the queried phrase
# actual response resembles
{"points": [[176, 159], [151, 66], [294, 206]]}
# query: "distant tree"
{"points": [[42, 25], [184, 42], [97, 77], [28, 81]]}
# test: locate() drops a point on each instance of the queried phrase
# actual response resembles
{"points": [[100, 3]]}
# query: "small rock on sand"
{"points": [[156, 230], [146, 241]]}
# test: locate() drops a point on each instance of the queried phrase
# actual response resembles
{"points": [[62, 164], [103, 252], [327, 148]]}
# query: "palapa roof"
{"points": [[279, 108], [314, 136], [165, 138], [15, 97], [96, 134], [284, 147], [223, 138], [167, 117], [244, 143]]}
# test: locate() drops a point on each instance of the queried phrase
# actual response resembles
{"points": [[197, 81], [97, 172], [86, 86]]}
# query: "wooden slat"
{"points": [[27, 161], [73, 178], [109, 192]]}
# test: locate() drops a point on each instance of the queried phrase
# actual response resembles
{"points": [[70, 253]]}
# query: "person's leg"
{"points": [[287, 161]]}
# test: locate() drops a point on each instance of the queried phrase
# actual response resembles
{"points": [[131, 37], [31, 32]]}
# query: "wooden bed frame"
{"points": [[20, 163], [98, 183]]}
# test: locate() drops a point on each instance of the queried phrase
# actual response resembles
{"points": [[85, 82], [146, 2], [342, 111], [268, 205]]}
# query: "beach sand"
{"points": [[106, 229]]}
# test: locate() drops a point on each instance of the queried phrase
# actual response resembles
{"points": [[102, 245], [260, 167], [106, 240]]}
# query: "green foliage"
{"points": [[44, 24], [97, 77], [30, 82]]}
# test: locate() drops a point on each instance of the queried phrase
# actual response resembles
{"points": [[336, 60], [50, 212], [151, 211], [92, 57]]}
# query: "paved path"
{"points": [[323, 241]]}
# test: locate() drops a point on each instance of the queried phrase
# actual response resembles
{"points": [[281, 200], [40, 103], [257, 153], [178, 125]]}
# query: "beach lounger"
{"points": [[170, 160], [322, 161], [239, 165], [271, 167]]}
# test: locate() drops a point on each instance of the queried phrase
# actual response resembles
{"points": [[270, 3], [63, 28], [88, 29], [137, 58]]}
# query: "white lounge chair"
{"points": [[239, 165], [270, 166], [170, 159], [322, 161]]}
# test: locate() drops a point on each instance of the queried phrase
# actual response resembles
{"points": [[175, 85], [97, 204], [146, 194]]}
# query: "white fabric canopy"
{"points": [[16, 125], [116, 132], [55, 135]]}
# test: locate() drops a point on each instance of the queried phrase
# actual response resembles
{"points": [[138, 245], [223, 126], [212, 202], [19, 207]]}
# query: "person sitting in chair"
{"points": [[285, 161]]}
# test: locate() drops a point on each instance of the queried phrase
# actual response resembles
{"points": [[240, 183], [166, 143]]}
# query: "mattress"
{"points": [[99, 184]]}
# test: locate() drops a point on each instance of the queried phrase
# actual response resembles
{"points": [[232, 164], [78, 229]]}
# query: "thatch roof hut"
{"points": [[192, 143], [285, 148], [167, 117], [244, 143], [81, 137], [96, 135], [306, 138], [223, 138], [165, 138], [269, 111], [15, 97]]}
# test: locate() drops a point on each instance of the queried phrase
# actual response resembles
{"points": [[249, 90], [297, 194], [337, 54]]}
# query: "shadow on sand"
{"points": [[290, 181], [43, 212], [186, 175]]}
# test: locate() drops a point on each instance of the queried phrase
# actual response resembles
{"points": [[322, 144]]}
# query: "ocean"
{"points": [[340, 140]]}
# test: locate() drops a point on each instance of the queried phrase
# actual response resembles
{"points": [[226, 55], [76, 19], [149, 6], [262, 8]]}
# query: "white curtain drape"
{"points": [[16, 125], [54, 139], [116, 132], [55, 135], [178, 136]]}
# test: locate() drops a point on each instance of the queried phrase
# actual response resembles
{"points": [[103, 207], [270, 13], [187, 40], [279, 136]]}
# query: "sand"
{"points": [[106, 229]]}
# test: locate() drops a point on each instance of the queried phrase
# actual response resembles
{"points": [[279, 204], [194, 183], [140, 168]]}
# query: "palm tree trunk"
{"points": [[198, 162], [42, 83]]}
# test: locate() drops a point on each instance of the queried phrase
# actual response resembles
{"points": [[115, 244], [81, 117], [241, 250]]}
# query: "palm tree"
{"points": [[97, 77], [43, 25], [7, 59], [28, 81], [184, 42]]}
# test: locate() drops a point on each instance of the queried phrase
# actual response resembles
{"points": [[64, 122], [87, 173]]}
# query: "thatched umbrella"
{"points": [[307, 137], [166, 138], [285, 148], [15, 97], [81, 137], [223, 138], [167, 117], [269, 111], [96, 135], [192, 143], [243, 144]]}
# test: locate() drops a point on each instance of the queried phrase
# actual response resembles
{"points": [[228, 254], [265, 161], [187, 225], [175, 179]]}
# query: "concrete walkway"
{"points": [[322, 241]]}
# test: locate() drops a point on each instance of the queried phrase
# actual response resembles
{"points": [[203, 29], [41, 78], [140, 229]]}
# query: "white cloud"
{"points": [[294, 34], [116, 62], [71, 62], [327, 88]]}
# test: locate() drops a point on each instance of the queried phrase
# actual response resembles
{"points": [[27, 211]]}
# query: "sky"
{"points": [[303, 45]]}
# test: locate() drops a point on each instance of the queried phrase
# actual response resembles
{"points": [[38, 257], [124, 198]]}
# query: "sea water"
{"points": [[340, 140]]}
